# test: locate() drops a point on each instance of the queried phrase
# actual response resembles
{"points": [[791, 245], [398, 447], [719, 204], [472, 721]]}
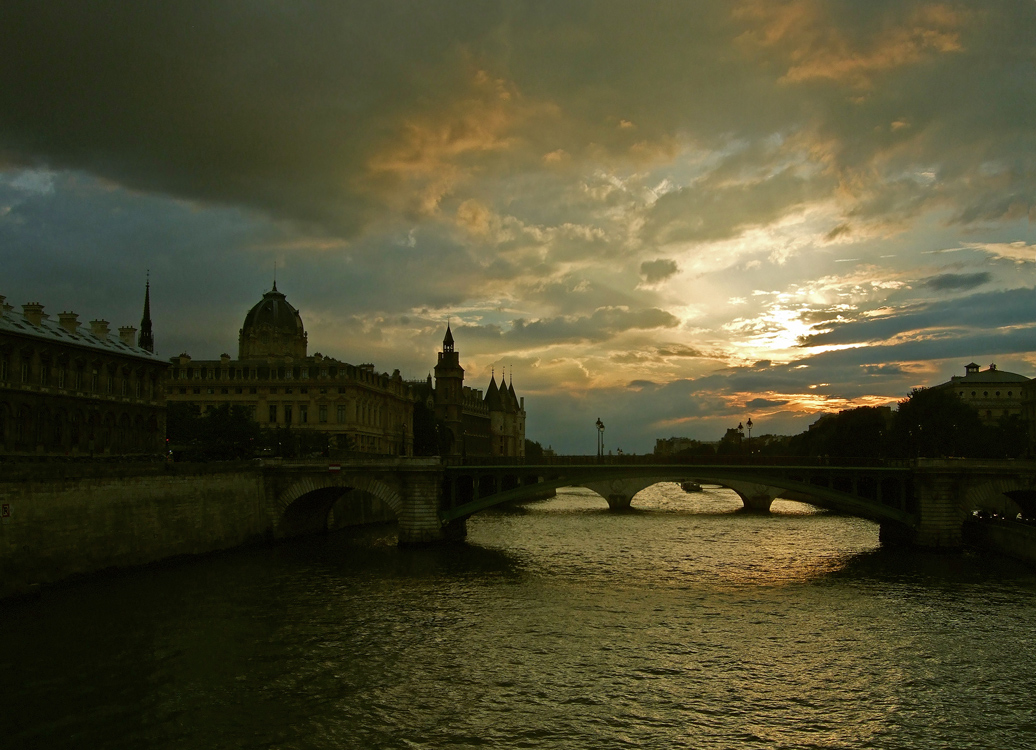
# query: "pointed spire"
{"points": [[274, 276], [447, 342], [146, 340]]}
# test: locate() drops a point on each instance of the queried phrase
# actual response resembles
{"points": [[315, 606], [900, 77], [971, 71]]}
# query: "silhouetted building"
{"points": [[492, 424], [672, 446], [71, 390], [279, 385]]}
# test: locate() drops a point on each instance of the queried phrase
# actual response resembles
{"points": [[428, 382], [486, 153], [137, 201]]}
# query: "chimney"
{"points": [[69, 321], [33, 312], [128, 335], [99, 328]]}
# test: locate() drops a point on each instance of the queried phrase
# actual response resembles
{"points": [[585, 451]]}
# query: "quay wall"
{"points": [[69, 520], [1008, 538]]}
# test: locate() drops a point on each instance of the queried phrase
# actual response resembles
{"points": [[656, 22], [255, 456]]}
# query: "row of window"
{"points": [[985, 394], [75, 378], [249, 373], [364, 413], [225, 390]]}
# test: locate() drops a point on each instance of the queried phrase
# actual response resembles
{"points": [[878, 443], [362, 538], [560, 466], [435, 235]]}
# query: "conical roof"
{"points": [[493, 399]]}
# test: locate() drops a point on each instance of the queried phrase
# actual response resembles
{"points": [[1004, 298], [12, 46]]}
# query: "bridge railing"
{"points": [[651, 459]]}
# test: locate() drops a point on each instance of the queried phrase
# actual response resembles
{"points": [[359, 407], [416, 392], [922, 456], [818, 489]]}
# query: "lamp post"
{"points": [[748, 424], [600, 438]]}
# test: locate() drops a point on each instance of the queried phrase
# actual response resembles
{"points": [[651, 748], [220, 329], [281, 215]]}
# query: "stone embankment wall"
{"points": [[65, 520], [1008, 538]]}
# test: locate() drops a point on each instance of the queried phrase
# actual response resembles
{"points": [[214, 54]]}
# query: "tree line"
{"points": [[930, 423]]}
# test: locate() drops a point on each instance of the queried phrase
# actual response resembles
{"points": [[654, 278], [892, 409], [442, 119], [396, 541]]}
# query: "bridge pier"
{"points": [[419, 522], [939, 494], [619, 501], [757, 498]]}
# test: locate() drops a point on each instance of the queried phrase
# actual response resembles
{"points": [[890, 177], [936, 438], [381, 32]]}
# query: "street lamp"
{"points": [[748, 424], [600, 437]]}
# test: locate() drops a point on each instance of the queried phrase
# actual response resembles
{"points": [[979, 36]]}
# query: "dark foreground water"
{"points": [[682, 624]]}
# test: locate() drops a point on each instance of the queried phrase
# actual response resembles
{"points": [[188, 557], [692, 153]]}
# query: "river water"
{"points": [[684, 623]]}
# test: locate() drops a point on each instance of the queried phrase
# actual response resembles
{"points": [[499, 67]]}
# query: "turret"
{"points": [[449, 392]]}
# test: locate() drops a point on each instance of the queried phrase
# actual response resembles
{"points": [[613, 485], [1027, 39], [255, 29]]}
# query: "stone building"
{"points": [[489, 424], [672, 446], [280, 385], [992, 393], [73, 390]]}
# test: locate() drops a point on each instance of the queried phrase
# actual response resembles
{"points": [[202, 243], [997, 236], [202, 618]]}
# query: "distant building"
{"points": [[992, 393], [71, 390], [479, 425], [672, 446], [280, 385]]}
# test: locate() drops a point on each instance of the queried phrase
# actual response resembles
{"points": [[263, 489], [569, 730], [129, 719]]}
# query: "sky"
{"points": [[671, 216]]}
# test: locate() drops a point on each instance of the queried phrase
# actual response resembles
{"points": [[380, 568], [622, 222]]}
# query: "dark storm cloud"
{"points": [[266, 104], [765, 403], [956, 281], [654, 271], [979, 311], [326, 111]]}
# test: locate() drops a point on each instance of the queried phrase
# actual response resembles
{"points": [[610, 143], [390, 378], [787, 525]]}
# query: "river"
{"points": [[684, 623]]}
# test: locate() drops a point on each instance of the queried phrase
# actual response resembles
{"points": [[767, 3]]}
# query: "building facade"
{"points": [[72, 390], [992, 393], [279, 385], [478, 424]]}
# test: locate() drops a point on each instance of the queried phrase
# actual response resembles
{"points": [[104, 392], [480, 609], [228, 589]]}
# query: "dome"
{"points": [[272, 328], [275, 311]]}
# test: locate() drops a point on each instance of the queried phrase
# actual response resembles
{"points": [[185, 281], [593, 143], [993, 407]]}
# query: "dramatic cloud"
{"points": [[596, 193]]}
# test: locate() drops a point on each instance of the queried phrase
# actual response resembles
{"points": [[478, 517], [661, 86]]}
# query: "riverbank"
{"points": [[66, 519], [1012, 539]]}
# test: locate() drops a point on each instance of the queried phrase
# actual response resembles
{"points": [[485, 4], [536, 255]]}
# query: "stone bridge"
{"points": [[62, 519], [923, 502]]}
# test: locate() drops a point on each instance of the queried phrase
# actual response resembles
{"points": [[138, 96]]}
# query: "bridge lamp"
{"points": [[748, 424], [600, 437]]}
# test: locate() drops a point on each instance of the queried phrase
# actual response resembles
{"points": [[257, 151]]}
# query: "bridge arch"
{"points": [[1000, 495], [304, 506], [876, 495]]}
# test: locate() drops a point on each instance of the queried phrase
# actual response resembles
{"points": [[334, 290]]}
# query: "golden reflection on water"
{"points": [[793, 543]]}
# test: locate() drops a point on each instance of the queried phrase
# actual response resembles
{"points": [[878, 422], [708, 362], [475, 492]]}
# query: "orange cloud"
{"points": [[807, 40], [431, 152]]}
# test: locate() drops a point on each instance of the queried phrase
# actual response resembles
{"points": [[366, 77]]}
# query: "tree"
{"points": [[852, 433], [934, 423], [533, 450], [223, 434]]}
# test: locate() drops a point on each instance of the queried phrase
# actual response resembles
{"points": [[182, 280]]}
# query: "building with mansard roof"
{"points": [[991, 392], [72, 390], [281, 386], [478, 424], [995, 394]]}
